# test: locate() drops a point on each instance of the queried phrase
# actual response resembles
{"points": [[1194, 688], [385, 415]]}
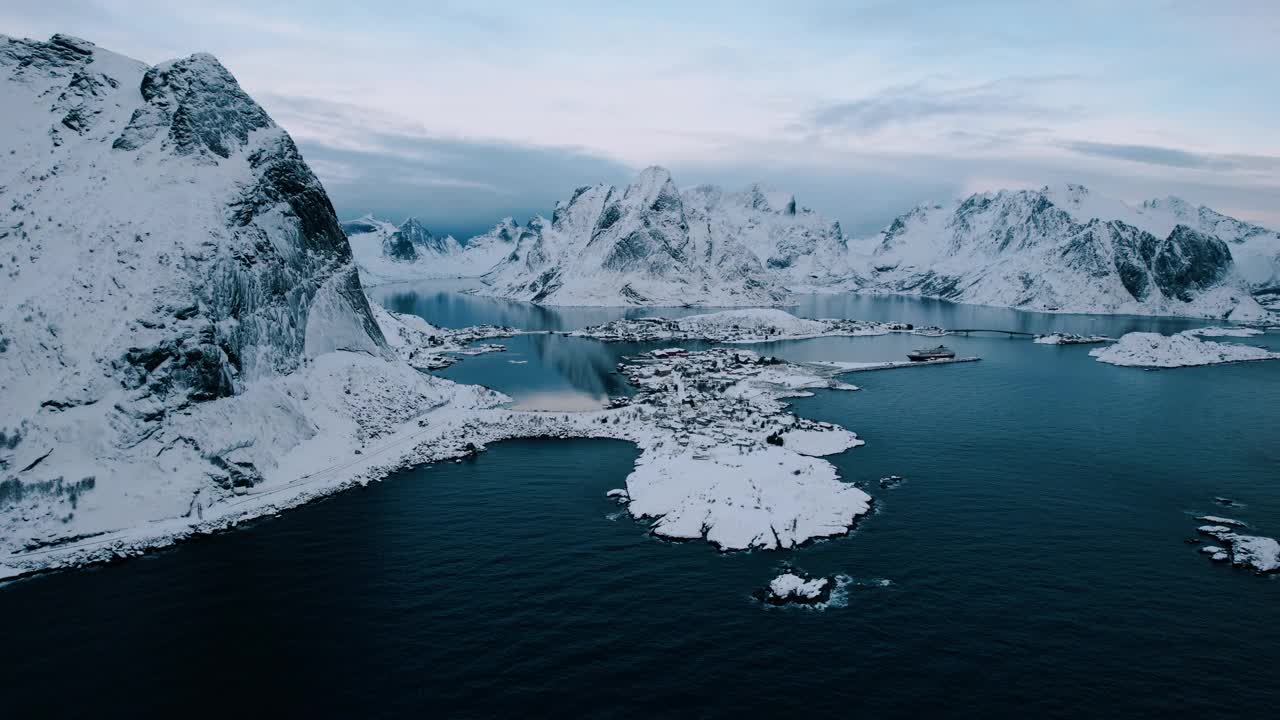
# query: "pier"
{"points": [[1010, 333]]}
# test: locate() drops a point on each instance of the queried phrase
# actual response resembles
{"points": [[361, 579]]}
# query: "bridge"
{"points": [[1010, 333]]}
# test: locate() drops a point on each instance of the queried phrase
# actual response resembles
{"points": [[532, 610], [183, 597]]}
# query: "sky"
{"points": [[461, 113]]}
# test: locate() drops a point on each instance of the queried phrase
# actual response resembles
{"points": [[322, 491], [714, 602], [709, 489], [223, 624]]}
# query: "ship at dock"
{"points": [[940, 352]]}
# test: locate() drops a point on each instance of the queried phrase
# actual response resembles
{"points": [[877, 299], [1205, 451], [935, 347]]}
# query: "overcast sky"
{"points": [[462, 112]]}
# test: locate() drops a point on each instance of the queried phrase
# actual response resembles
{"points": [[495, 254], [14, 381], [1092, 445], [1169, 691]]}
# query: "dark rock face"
{"points": [[270, 290], [198, 369], [201, 104], [508, 231], [412, 239], [399, 247], [60, 55], [1188, 261]]}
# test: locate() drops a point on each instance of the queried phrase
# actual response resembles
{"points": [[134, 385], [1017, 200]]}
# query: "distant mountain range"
{"points": [[1067, 249], [1060, 249], [386, 252], [646, 244]]}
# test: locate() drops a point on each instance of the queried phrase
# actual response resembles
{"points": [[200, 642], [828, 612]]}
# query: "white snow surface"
{"points": [[817, 443], [1066, 249], [1184, 349]]}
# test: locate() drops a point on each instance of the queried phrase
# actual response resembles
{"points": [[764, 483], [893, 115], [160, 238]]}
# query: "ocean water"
{"points": [[1031, 564]]}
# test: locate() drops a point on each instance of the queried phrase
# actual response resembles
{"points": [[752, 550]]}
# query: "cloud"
{"points": [[1174, 157], [1015, 96], [375, 163]]}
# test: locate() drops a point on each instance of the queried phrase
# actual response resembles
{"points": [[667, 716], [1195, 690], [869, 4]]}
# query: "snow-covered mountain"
{"points": [[651, 244], [181, 320], [1070, 250], [797, 245], [386, 253], [1256, 250]]}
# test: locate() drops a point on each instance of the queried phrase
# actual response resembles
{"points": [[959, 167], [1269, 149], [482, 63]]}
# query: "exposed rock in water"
{"points": [[790, 588]]}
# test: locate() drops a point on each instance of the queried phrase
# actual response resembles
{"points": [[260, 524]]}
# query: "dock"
{"points": [[1010, 333], [851, 367]]}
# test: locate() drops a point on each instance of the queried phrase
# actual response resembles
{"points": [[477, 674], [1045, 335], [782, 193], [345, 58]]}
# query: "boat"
{"points": [[941, 352]]}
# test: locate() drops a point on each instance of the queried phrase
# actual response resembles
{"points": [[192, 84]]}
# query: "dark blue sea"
{"points": [[1031, 565]]}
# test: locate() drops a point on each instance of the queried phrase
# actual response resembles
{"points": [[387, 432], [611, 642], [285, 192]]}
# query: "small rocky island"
{"points": [[1253, 552], [790, 588], [1184, 349]]}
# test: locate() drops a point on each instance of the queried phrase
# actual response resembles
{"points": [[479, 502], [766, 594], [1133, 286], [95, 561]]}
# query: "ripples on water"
{"points": [[1034, 555]]}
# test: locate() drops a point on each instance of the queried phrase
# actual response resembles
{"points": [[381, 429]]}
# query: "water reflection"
{"points": [[549, 372], [925, 311], [447, 304], [552, 371]]}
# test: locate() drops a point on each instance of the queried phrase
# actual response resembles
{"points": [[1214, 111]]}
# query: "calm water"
{"points": [[1034, 555]]}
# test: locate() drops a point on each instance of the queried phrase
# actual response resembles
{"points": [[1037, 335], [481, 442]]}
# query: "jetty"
{"points": [[1010, 333]]}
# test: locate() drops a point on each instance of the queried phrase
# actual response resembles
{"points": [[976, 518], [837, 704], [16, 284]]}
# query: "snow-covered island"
{"points": [[1260, 554], [1184, 349], [735, 326], [1064, 338], [790, 588]]}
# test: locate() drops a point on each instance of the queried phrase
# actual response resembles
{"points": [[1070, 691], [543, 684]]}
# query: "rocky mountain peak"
{"points": [[654, 190], [201, 106]]}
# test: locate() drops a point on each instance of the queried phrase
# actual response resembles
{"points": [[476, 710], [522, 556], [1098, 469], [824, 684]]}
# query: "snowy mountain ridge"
{"points": [[1067, 249], [385, 252], [653, 244]]}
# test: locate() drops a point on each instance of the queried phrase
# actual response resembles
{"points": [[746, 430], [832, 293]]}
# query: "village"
{"points": [[740, 326]]}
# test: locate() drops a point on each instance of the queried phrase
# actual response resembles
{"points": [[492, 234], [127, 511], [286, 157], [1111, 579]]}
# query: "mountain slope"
{"points": [[651, 244], [1057, 249], [181, 309], [799, 247]]}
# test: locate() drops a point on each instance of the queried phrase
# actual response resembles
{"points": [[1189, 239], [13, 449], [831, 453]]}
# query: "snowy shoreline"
{"points": [[760, 480]]}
